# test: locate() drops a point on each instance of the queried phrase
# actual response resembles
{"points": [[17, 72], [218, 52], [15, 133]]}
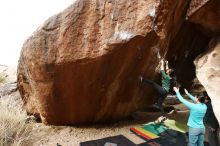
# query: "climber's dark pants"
{"points": [[162, 94]]}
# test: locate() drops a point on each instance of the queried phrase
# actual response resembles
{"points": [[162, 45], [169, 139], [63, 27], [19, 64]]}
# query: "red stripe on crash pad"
{"points": [[140, 133]]}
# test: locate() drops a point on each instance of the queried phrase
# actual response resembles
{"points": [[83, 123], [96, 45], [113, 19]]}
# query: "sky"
{"points": [[19, 19]]}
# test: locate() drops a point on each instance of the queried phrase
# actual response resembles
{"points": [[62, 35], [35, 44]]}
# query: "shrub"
{"points": [[2, 78], [13, 127]]}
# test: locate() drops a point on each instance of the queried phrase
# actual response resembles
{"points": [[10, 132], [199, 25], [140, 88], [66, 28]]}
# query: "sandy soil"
{"points": [[72, 136]]}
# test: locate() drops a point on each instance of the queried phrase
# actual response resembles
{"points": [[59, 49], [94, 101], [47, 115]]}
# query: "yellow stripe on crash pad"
{"points": [[172, 124], [147, 132]]}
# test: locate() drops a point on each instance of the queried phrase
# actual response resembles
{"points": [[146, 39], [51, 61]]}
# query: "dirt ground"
{"points": [[71, 136]]}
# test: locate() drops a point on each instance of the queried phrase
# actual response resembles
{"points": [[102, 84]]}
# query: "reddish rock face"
{"points": [[82, 66], [206, 14]]}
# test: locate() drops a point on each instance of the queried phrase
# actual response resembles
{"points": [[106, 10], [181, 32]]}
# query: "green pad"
{"points": [[154, 128]]}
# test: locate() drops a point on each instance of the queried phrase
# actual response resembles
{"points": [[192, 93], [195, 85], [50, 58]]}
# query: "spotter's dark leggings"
{"points": [[162, 94]]}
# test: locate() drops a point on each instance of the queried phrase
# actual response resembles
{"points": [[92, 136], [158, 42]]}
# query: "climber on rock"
{"points": [[167, 77]]}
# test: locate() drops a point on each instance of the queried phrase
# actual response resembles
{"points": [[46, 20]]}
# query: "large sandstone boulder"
{"points": [[81, 66], [208, 73]]}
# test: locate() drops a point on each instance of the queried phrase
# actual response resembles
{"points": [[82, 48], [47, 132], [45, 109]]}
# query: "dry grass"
{"points": [[13, 127]]}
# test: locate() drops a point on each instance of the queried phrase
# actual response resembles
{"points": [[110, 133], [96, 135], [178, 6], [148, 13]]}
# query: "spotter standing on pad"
{"points": [[165, 88], [195, 121]]}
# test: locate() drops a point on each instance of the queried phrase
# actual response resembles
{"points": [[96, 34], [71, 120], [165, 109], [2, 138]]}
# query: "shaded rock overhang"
{"points": [[206, 16]]}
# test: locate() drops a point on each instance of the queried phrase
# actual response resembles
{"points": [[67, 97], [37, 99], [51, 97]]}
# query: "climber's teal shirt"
{"points": [[197, 111], [165, 81]]}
